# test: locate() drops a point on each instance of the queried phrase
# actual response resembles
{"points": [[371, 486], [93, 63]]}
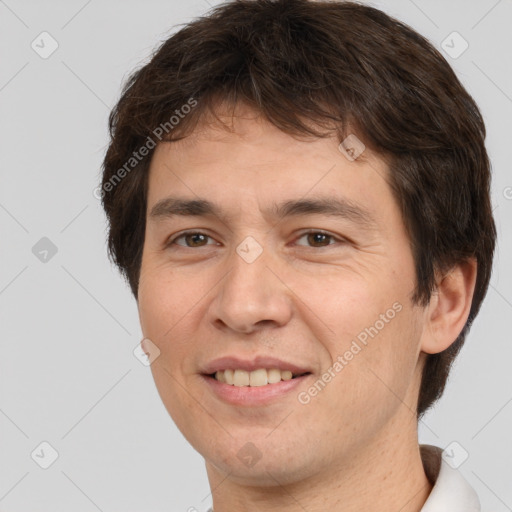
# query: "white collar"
{"points": [[450, 491]]}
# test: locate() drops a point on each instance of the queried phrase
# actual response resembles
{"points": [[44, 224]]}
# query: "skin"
{"points": [[354, 446]]}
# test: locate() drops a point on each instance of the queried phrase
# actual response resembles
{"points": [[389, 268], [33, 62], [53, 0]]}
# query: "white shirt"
{"points": [[450, 491]]}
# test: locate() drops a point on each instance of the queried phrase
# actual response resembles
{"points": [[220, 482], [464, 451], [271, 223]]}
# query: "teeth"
{"points": [[286, 375], [228, 376], [260, 377], [241, 378], [273, 375]]}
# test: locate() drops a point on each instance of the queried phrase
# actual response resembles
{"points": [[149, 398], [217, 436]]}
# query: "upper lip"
{"points": [[235, 363]]}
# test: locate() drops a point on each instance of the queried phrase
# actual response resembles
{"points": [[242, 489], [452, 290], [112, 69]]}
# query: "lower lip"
{"points": [[252, 396]]}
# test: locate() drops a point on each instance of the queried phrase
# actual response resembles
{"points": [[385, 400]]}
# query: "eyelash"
{"points": [[316, 231]]}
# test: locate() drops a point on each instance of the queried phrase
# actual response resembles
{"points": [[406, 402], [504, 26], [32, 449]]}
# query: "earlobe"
{"points": [[449, 307]]}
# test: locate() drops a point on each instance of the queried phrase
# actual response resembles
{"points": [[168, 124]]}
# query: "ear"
{"points": [[449, 307]]}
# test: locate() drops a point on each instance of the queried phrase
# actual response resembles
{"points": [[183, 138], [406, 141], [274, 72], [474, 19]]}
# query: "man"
{"points": [[298, 195]]}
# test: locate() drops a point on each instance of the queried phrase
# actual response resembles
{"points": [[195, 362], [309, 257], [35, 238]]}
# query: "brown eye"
{"points": [[317, 239], [192, 239]]}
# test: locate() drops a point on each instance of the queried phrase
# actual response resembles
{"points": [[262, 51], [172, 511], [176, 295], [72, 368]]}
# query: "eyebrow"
{"points": [[332, 206]]}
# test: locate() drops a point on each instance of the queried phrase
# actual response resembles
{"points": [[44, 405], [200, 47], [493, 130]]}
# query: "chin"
{"points": [[262, 463]]}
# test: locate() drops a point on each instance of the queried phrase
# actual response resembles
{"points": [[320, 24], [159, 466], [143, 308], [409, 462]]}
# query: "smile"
{"points": [[256, 378]]}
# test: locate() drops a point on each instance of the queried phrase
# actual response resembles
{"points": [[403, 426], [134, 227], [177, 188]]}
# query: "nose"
{"points": [[252, 296]]}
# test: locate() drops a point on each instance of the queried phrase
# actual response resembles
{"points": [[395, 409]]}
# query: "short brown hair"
{"points": [[308, 67]]}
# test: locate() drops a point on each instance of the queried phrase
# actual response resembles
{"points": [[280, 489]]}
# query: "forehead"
{"points": [[241, 127], [245, 156]]}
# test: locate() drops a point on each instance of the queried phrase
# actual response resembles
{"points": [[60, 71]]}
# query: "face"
{"points": [[267, 257]]}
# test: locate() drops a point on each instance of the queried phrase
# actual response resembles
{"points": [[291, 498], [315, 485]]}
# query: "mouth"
{"points": [[256, 378], [256, 381], [256, 388]]}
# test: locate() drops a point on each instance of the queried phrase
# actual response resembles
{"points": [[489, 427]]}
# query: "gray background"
{"points": [[69, 324]]}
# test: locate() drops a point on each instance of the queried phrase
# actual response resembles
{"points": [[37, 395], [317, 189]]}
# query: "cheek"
{"points": [[166, 309], [165, 298], [378, 365], [343, 305], [372, 335]]}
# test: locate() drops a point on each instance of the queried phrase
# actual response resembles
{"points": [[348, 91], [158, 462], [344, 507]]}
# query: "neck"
{"points": [[387, 474]]}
